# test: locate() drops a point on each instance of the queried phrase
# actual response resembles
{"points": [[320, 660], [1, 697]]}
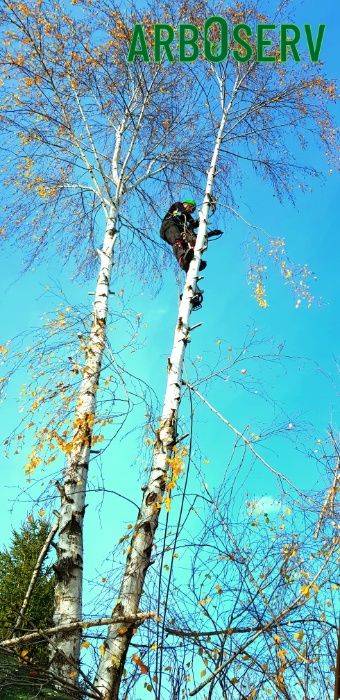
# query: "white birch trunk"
{"points": [[112, 663], [69, 567]]}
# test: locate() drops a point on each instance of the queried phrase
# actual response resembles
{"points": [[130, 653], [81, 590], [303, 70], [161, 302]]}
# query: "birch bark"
{"points": [[138, 560], [69, 566]]}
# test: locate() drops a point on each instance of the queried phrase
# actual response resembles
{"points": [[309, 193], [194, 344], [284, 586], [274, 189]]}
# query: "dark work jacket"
{"points": [[176, 215]]}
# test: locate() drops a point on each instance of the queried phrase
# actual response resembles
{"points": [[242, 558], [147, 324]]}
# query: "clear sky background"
{"points": [[304, 390]]}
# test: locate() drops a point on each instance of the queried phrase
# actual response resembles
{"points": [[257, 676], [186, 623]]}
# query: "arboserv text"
{"points": [[189, 42]]}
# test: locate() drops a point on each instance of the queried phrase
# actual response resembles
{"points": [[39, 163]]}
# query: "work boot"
{"points": [[196, 300], [186, 259]]}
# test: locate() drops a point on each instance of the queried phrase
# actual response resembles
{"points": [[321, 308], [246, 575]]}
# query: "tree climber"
{"points": [[177, 229]]}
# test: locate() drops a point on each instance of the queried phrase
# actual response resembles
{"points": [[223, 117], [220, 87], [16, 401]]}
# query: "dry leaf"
{"points": [[143, 669]]}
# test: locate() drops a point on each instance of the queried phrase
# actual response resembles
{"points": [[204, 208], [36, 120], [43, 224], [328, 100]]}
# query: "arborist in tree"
{"points": [[177, 229]]}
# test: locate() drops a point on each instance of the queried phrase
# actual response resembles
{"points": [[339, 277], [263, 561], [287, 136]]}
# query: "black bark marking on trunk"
{"points": [[64, 568], [72, 527], [158, 442], [118, 610], [147, 528], [147, 555], [151, 498]]}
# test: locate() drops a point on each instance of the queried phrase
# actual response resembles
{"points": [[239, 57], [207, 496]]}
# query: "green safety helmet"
{"points": [[190, 201]]}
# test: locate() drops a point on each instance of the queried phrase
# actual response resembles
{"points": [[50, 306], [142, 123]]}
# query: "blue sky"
{"points": [[304, 389]]}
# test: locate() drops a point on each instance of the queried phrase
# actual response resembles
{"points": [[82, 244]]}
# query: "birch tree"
{"points": [[109, 149], [89, 133], [256, 109]]}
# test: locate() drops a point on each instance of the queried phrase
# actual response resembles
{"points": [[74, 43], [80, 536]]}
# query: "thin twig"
{"points": [[299, 600], [247, 442]]}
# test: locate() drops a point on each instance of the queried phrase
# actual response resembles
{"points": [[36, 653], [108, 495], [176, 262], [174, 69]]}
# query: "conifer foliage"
{"points": [[16, 568]]}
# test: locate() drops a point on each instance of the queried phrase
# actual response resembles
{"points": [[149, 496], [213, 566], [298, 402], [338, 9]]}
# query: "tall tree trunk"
{"points": [[65, 648], [138, 559], [337, 671]]}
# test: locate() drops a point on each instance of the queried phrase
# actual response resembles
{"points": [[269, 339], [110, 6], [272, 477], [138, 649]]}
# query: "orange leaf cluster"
{"points": [[176, 466], [136, 660]]}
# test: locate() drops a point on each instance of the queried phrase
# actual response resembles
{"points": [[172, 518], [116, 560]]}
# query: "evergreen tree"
{"points": [[16, 568]]}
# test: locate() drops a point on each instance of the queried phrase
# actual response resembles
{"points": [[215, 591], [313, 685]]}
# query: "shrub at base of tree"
{"points": [[22, 682]]}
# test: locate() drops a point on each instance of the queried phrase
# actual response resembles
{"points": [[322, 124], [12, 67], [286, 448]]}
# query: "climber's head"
{"points": [[189, 205]]}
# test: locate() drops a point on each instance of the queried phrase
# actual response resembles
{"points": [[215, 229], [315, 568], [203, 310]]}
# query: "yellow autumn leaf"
{"points": [[204, 601], [42, 512], [24, 653], [305, 590], [24, 9], [85, 645], [282, 653], [122, 630], [102, 649], [167, 502], [299, 635]]}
